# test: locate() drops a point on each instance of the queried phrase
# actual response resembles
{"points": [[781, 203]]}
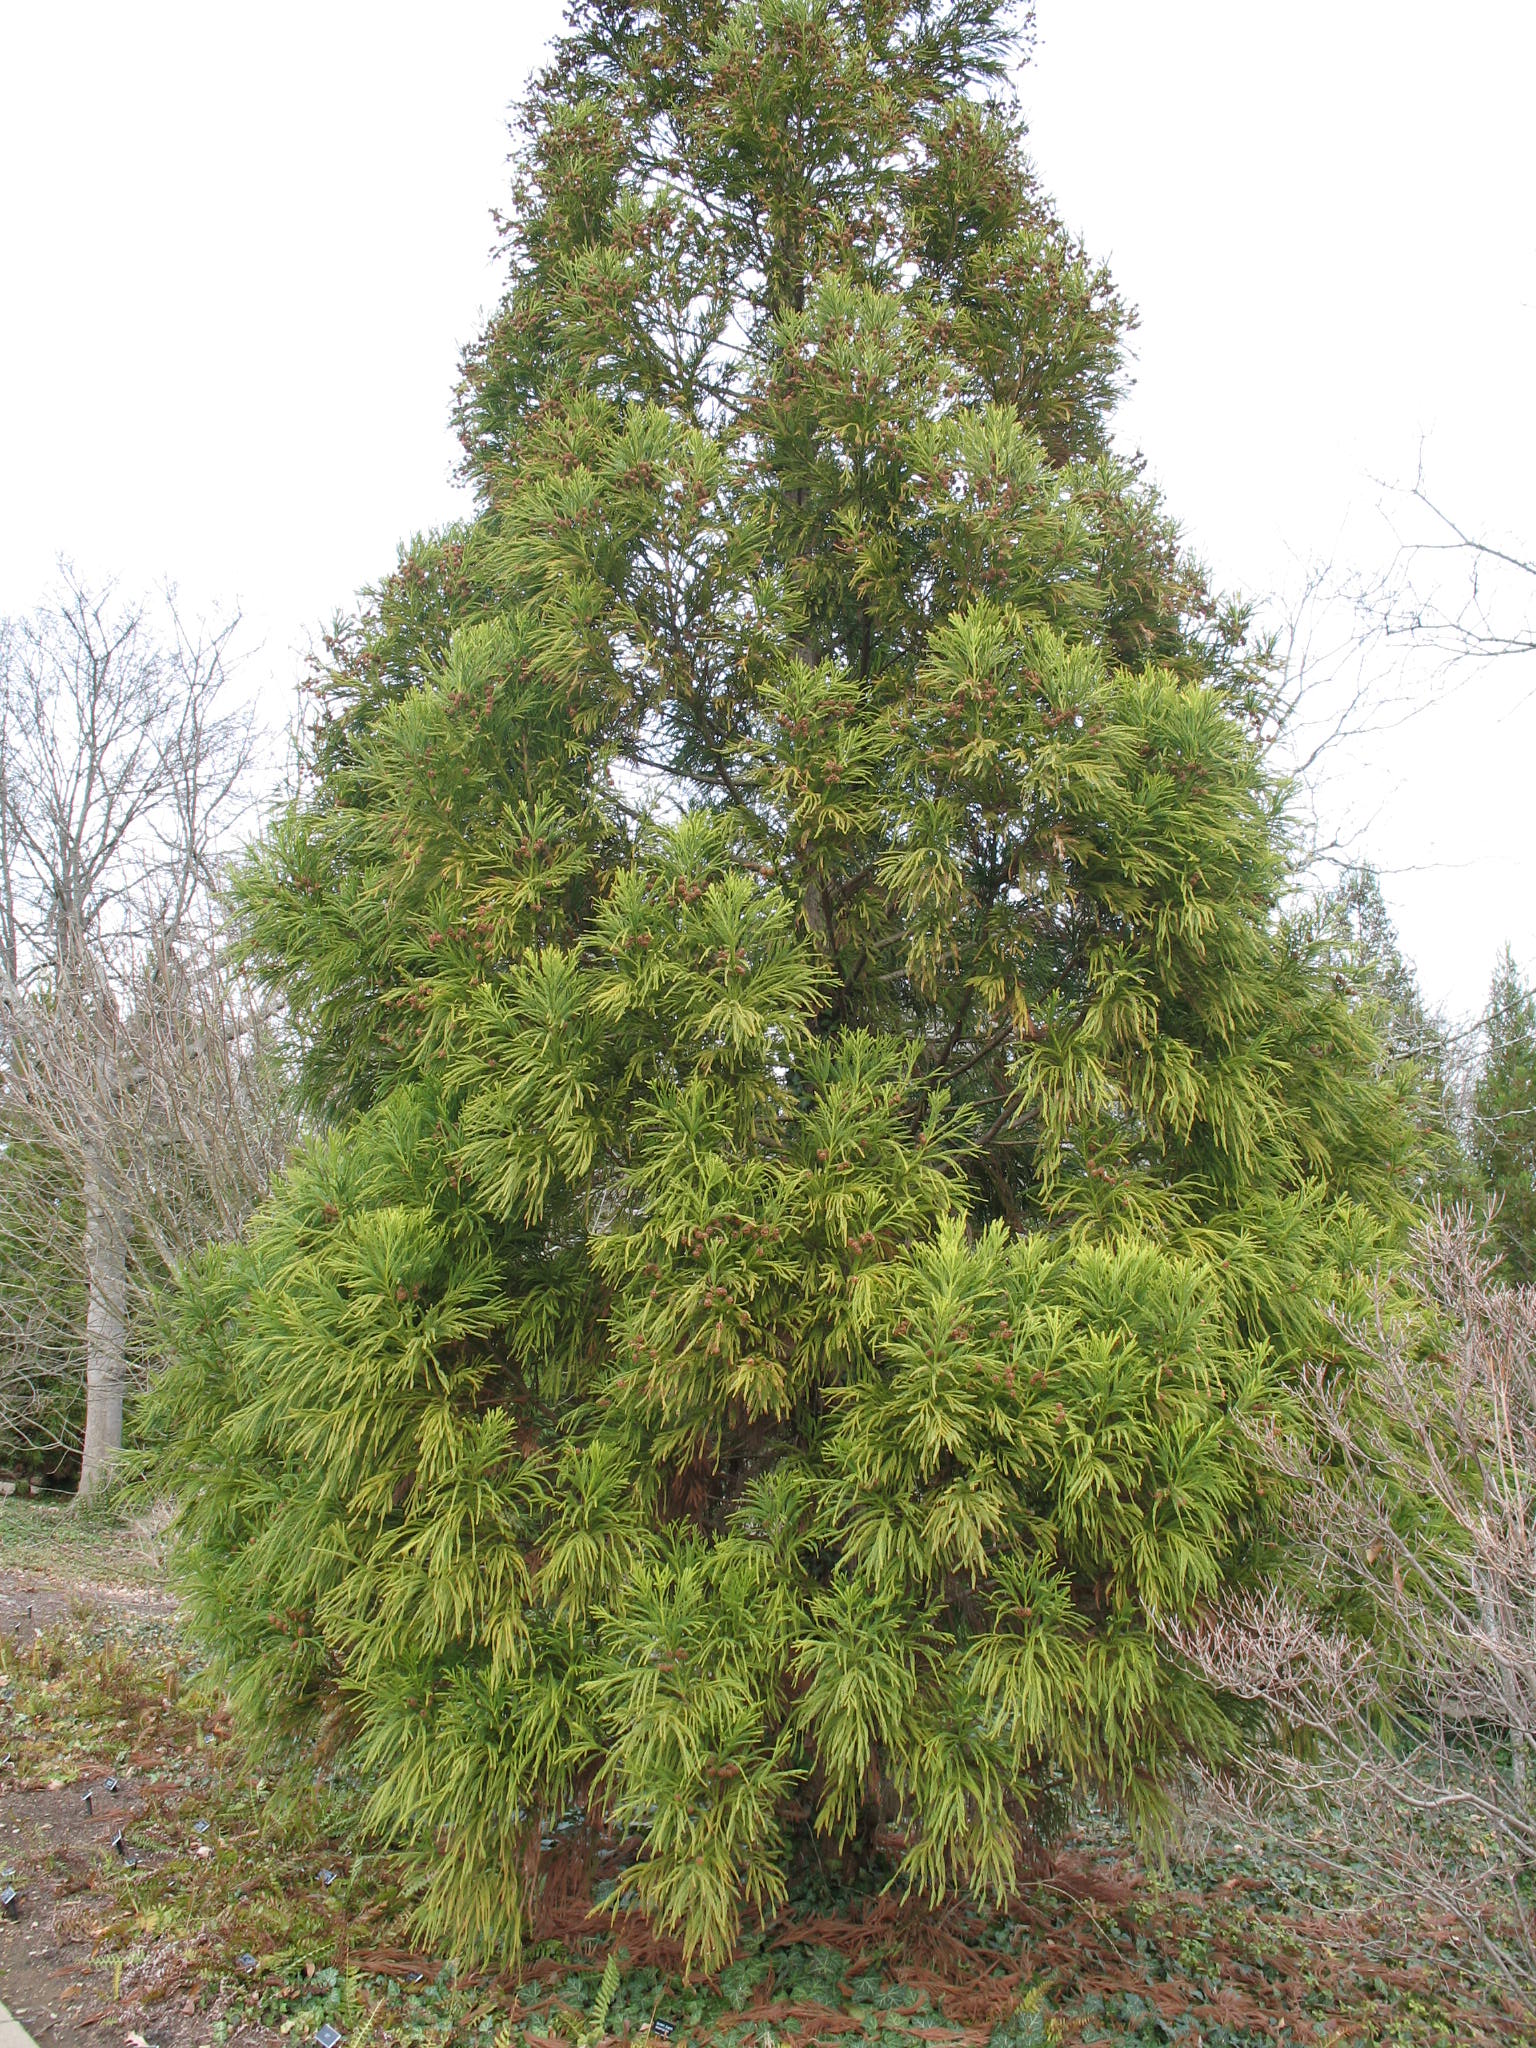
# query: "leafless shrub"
{"points": [[1399, 1676], [1398, 1679]]}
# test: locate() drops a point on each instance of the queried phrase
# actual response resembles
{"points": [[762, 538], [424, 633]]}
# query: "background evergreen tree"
{"points": [[1353, 927], [1504, 1117], [831, 1144]]}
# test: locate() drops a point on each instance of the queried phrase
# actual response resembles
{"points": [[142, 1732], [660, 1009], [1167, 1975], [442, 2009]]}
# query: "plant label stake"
{"points": [[327, 1878], [10, 1903], [109, 1784], [247, 1962], [85, 1801], [120, 1845], [328, 2036], [199, 1827]]}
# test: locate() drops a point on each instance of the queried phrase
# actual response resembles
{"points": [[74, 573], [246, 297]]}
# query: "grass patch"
{"points": [[65, 1544]]}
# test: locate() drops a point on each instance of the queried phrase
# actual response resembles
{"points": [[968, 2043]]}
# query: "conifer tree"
{"points": [[1504, 1117], [829, 1145], [1354, 928]]}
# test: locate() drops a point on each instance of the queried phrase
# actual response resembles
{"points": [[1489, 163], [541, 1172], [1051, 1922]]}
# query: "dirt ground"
{"points": [[50, 1845]]}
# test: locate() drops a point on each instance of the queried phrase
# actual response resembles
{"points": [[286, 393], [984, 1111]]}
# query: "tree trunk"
{"points": [[106, 1319]]}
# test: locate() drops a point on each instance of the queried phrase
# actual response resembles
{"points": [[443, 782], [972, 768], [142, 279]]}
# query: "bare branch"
{"points": [[1483, 610]]}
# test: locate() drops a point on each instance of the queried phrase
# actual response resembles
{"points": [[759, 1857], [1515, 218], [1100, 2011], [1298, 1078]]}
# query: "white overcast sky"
{"points": [[240, 249]]}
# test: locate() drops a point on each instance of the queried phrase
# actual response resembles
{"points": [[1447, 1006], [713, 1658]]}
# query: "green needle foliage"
{"points": [[830, 1145], [1353, 926], [1504, 1118]]}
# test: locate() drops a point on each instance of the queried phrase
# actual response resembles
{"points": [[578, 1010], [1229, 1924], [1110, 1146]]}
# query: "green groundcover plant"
{"points": [[827, 1141]]}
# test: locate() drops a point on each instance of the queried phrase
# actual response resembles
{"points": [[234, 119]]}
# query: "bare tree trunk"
{"points": [[106, 1319]]}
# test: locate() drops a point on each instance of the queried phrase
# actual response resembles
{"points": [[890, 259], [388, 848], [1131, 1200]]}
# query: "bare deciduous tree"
{"points": [[132, 1053]]}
